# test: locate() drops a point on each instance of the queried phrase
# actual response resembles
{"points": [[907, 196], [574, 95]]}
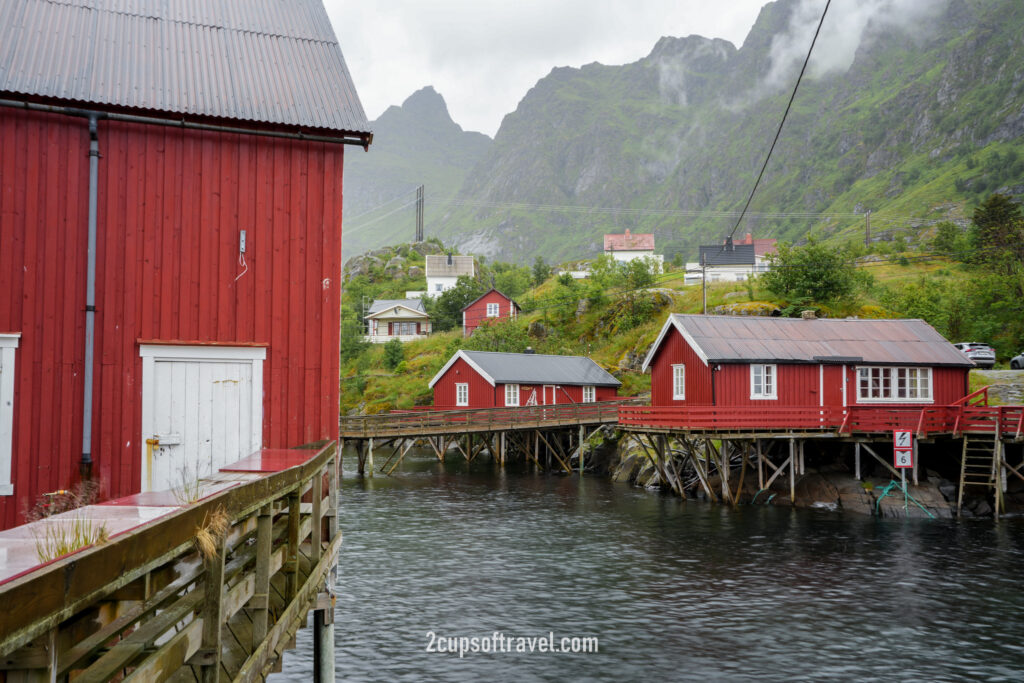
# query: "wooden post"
{"points": [[316, 524], [760, 466], [803, 468], [369, 457], [361, 457], [581, 450], [260, 601], [915, 461], [208, 655], [502, 450], [856, 461], [292, 559], [792, 471]]}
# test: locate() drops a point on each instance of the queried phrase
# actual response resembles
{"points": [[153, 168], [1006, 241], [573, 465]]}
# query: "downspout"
{"points": [[713, 368], [85, 465]]}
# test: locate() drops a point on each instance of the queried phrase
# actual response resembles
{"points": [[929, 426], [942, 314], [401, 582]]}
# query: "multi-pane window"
{"points": [[678, 382], [462, 394], [762, 381], [894, 384], [492, 310], [511, 394], [589, 395], [404, 328]]}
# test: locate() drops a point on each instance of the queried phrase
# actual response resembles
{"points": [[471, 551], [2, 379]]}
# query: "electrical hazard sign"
{"points": [[903, 448]]}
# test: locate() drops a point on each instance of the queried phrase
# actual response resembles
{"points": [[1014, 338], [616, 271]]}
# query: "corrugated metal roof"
{"points": [[629, 242], [735, 339], [535, 368], [379, 305], [722, 255], [438, 266], [265, 61]]}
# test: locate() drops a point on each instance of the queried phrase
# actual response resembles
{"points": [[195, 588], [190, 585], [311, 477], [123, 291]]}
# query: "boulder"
{"points": [[537, 329], [415, 272]]}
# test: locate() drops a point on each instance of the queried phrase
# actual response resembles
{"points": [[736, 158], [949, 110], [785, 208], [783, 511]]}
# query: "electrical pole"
{"points": [[867, 229]]}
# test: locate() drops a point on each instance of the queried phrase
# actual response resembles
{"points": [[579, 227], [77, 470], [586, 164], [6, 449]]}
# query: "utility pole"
{"points": [[867, 229], [704, 287], [419, 213]]}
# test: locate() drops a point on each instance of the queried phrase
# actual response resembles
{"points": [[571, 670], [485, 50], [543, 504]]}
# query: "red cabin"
{"points": [[170, 238], [493, 305], [752, 363], [486, 379]]}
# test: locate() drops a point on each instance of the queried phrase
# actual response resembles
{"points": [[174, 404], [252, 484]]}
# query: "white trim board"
{"points": [[8, 344]]}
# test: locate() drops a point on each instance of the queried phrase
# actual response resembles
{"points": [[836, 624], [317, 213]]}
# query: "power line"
{"points": [[357, 228], [778, 132]]}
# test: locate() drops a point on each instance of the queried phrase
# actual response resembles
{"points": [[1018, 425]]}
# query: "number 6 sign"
{"points": [[903, 448]]}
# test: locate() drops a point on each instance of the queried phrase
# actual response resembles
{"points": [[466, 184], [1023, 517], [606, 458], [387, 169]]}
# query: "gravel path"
{"points": [[1007, 386]]}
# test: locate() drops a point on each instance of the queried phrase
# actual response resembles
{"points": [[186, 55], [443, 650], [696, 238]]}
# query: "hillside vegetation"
{"points": [[968, 284]]}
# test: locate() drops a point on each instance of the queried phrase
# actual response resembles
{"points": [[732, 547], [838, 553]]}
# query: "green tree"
{"points": [[446, 310], [393, 353], [639, 273], [541, 271], [997, 226], [950, 240], [815, 271], [513, 282], [498, 334]]}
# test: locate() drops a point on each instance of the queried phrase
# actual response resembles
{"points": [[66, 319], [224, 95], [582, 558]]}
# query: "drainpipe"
{"points": [[85, 465]]}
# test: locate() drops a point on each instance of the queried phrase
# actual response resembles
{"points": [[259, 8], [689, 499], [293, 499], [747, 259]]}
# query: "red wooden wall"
{"points": [[675, 350], [481, 393], [564, 394], [477, 312], [171, 205]]}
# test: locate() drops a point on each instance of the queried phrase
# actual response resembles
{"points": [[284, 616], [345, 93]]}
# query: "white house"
{"points": [[731, 261], [627, 246], [404, 319], [444, 270]]}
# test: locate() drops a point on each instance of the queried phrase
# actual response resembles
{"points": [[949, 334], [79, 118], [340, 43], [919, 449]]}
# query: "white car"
{"points": [[1017, 362], [981, 354]]}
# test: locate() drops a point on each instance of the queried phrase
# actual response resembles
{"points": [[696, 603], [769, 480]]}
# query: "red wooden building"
{"points": [[752, 363], [170, 237], [486, 379], [492, 305]]}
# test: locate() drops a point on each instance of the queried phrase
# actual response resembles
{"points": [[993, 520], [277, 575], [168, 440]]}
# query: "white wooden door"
{"points": [[202, 408]]}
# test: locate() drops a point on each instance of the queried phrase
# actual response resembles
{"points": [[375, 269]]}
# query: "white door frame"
{"points": [[8, 345], [554, 397], [151, 353]]}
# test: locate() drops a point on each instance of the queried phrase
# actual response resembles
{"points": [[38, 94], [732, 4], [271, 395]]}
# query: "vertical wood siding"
{"points": [[675, 350], [171, 206], [481, 393]]}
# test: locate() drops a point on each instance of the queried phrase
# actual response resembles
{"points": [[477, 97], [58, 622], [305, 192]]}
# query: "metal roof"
{"points": [[722, 255], [532, 368], [381, 305], [438, 265], [264, 61], [629, 242], [741, 339]]}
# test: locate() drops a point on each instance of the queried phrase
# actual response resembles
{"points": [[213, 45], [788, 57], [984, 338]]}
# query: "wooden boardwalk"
{"points": [[155, 603]]}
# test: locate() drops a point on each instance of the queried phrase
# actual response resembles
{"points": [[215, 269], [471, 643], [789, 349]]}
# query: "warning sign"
{"points": [[903, 448]]}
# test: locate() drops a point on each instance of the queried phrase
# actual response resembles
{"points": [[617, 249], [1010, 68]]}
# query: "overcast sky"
{"points": [[483, 55]]}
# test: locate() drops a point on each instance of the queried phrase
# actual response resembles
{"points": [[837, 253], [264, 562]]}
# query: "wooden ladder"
{"points": [[981, 465]]}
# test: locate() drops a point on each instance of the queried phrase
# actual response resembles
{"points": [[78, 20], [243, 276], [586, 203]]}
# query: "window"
{"points": [[762, 382], [492, 310], [678, 382], [8, 344], [511, 394], [438, 287], [404, 329], [589, 395], [894, 384], [462, 394]]}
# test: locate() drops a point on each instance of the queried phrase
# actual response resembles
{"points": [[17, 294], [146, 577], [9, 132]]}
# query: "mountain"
{"points": [[910, 110], [416, 143]]}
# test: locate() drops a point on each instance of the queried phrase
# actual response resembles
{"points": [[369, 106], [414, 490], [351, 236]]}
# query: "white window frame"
{"points": [[768, 380], [679, 382], [884, 384], [8, 345], [512, 395], [589, 394], [493, 310], [462, 393]]}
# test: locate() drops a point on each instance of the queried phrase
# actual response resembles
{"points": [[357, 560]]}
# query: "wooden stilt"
{"points": [[792, 472], [760, 466], [369, 456], [915, 462], [501, 450], [856, 461], [803, 469], [581, 450]]}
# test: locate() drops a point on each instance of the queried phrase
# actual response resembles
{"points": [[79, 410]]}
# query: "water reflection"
{"points": [[673, 590]]}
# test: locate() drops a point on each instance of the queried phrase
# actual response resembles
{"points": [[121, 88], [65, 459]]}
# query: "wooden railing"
{"points": [[425, 423], [149, 604], [924, 421]]}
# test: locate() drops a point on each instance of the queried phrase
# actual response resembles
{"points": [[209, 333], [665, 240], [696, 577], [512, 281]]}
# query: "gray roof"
{"points": [[265, 61], [438, 266], [741, 339], [721, 255], [379, 305], [534, 368]]}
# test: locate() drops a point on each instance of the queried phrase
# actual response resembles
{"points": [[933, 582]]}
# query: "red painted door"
{"points": [[549, 395], [832, 386]]}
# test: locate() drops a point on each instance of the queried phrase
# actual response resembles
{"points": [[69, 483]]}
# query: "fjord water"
{"points": [[673, 590]]}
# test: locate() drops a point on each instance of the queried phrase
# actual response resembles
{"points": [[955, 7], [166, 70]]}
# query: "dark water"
{"points": [[672, 590]]}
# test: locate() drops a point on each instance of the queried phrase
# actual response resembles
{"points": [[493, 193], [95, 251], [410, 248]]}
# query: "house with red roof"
{"points": [[628, 246]]}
